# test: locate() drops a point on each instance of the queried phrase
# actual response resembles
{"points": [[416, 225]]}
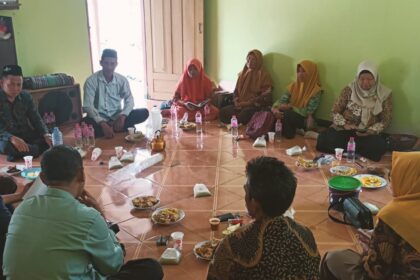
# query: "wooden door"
{"points": [[174, 34]]}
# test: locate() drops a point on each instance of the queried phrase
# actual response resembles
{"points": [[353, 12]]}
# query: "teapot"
{"points": [[158, 143]]}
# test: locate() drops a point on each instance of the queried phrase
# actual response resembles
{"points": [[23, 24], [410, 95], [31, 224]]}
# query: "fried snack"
{"points": [[145, 201], [346, 172], [305, 163], [206, 250], [166, 216], [187, 125], [371, 181]]}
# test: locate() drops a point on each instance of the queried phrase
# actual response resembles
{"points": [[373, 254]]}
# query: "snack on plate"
{"points": [[342, 170], [206, 249], [33, 174], [166, 215], [145, 201], [187, 125], [306, 163], [371, 181], [231, 229]]}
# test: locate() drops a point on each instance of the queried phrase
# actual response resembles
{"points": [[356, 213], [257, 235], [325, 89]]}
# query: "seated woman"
{"points": [[194, 87], [362, 111], [273, 246], [393, 251], [297, 106], [253, 90]]}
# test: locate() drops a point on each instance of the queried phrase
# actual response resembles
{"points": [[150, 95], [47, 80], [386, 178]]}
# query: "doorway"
{"points": [[119, 25]]}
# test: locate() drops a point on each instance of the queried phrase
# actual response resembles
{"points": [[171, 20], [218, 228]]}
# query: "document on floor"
{"points": [[37, 188]]}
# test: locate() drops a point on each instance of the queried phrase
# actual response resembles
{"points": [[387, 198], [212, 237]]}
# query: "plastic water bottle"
{"points": [[85, 135], [156, 119], [234, 127], [78, 136], [198, 122], [91, 136], [173, 113], [52, 119], [206, 113], [57, 137], [351, 150], [278, 130]]}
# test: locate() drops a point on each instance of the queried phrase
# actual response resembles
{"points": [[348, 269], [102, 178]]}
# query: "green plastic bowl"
{"points": [[344, 183]]}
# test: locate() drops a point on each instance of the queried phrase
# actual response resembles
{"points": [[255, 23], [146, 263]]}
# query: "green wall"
{"points": [[52, 37], [336, 34]]}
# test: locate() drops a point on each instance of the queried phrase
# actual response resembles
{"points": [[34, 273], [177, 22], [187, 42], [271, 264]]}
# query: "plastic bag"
{"points": [[127, 157], [200, 190], [260, 142], [114, 163]]}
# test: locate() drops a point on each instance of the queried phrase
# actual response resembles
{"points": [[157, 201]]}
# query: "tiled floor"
{"points": [[217, 162]]}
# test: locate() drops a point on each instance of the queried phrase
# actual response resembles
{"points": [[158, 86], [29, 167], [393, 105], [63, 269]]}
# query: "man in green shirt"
{"points": [[63, 235]]}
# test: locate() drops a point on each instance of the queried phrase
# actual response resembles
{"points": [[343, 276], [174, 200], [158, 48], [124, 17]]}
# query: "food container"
{"points": [[342, 187]]}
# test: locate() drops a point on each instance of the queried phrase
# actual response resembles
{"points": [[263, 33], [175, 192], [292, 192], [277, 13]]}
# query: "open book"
{"points": [[37, 188], [199, 105]]}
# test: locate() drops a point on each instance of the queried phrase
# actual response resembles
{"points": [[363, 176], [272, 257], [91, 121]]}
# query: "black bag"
{"points": [[400, 142], [355, 213]]}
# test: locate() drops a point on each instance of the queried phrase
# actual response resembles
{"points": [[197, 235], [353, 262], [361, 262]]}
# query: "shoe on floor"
{"points": [[311, 135]]}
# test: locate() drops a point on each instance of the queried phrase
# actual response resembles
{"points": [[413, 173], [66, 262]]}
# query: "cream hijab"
{"points": [[371, 100]]}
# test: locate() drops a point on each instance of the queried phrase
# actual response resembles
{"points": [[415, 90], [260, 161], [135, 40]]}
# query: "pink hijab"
{"points": [[194, 89]]}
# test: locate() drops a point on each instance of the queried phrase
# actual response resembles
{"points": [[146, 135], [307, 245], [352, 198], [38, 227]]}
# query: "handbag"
{"points": [[355, 213], [260, 123]]}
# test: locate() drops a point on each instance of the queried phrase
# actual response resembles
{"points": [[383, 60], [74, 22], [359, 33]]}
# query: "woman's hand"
{"points": [[310, 122], [277, 113], [349, 126], [367, 133], [285, 107]]}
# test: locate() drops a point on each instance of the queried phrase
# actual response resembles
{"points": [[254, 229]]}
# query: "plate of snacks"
{"points": [[136, 137], [371, 181], [342, 170], [306, 163], [12, 170], [167, 216], [205, 249], [187, 126], [31, 173], [145, 202]]}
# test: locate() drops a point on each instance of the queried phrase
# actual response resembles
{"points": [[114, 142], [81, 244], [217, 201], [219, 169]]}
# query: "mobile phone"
{"points": [[225, 217]]}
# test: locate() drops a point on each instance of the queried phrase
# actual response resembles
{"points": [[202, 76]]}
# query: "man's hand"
{"points": [[119, 123], [310, 122], [48, 139], [107, 129], [277, 113], [19, 144], [87, 199]]}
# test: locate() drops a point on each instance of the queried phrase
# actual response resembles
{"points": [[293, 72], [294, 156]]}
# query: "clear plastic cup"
{"points": [[339, 153], [131, 130], [28, 161], [177, 236], [119, 151], [271, 135]]}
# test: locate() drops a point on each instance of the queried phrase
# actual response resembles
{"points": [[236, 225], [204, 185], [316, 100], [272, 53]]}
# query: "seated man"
{"points": [[62, 234], [103, 92], [22, 131], [273, 246]]}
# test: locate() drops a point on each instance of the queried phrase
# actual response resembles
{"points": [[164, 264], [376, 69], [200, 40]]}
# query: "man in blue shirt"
{"points": [[103, 93], [22, 131], [63, 234]]}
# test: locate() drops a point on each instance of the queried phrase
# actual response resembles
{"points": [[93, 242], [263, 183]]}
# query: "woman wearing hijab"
{"points": [[363, 111], [273, 246], [393, 251], [194, 87], [252, 92], [297, 106]]}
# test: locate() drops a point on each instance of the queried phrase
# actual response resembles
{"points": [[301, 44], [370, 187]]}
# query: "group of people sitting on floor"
{"points": [[363, 110], [63, 234]]}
